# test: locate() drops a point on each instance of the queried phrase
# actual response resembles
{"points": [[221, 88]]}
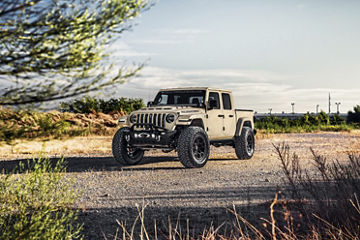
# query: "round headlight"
{"points": [[170, 118], [133, 118]]}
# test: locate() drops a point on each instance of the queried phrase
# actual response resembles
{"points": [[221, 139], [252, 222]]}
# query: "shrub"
{"points": [[90, 104], [30, 124], [354, 117], [37, 203]]}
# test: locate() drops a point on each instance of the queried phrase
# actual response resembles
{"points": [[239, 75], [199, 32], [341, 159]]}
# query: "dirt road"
{"points": [[110, 191]]}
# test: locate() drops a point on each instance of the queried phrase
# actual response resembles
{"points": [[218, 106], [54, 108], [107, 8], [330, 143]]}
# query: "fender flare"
{"points": [[240, 124]]}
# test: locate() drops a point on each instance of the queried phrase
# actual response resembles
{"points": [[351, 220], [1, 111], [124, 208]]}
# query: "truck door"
{"points": [[229, 116], [215, 118]]}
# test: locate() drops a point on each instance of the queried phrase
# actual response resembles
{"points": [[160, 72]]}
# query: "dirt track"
{"points": [[111, 191]]}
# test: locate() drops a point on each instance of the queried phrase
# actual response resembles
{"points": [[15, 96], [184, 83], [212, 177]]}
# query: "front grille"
{"points": [[158, 119]]}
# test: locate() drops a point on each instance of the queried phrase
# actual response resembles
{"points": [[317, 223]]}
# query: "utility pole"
{"points": [[270, 109], [338, 107], [292, 106], [329, 104], [317, 108]]}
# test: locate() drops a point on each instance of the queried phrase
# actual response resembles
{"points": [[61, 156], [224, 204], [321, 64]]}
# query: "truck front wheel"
{"points": [[245, 144], [123, 153], [193, 147]]}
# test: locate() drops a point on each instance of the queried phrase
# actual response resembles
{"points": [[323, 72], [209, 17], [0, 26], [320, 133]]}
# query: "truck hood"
{"points": [[179, 109]]}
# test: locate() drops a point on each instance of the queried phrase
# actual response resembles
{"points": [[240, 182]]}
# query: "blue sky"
{"points": [[269, 53]]}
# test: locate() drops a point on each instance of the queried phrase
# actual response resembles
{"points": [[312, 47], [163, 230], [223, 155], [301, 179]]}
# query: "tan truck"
{"points": [[187, 120]]}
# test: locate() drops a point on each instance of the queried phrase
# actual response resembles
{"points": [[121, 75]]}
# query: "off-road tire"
{"points": [[121, 151], [245, 144], [193, 147]]}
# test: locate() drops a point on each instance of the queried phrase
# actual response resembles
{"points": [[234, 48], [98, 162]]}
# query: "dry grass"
{"points": [[85, 146], [325, 207], [331, 144], [54, 125], [280, 224]]}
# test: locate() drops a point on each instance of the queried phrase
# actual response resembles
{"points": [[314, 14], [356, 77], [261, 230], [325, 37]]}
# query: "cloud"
{"points": [[166, 36], [158, 41], [254, 89], [120, 49], [188, 31], [300, 6]]}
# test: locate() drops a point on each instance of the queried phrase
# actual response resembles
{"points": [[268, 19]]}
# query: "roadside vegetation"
{"points": [[82, 117], [87, 116], [306, 123], [36, 203]]}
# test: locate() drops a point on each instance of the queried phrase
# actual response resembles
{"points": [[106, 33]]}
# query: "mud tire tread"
{"points": [[185, 141], [240, 144], [119, 153]]}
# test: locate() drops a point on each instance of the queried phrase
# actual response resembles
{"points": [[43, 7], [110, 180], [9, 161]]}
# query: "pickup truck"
{"points": [[187, 120]]}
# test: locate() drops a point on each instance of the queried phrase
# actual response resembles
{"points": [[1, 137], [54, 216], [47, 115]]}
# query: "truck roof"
{"points": [[195, 88]]}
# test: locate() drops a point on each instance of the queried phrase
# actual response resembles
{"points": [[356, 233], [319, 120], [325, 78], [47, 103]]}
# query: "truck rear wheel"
{"points": [[123, 153], [193, 147], [245, 144]]}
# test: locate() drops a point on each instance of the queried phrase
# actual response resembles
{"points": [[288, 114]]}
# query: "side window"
{"points": [[226, 101], [215, 96]]}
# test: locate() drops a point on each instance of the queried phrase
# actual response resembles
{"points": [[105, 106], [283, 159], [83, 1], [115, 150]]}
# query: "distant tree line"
{"points": [[310, 122], [307, 119]]}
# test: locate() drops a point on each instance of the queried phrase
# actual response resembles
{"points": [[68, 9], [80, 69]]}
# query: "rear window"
{"points": [[226, 100]]}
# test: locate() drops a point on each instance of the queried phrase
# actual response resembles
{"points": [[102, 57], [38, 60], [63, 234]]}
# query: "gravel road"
{"points": [[111, 192]]}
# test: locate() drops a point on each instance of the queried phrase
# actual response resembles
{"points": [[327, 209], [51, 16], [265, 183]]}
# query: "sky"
{"points": [[269, 53]]}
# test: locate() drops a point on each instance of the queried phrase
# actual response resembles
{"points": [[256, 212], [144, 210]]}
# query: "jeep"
{"points": [[187, 120]]}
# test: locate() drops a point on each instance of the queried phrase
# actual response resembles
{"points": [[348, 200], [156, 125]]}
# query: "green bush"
{"points": [[354, 117], [306, 123], [90, 104], [36, 204]]}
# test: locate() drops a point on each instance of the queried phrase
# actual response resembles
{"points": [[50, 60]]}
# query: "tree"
{"points": [[54, 49], [354, 117]]}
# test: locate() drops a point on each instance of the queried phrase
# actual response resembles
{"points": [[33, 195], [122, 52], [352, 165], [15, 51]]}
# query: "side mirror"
{"points": [[150, 103], [212, 104]]}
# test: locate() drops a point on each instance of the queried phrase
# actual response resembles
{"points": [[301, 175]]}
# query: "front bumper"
{"points": [[150, 136]]}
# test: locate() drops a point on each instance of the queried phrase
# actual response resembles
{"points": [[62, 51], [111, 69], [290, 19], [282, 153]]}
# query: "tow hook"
{"points": [[148, 135]]}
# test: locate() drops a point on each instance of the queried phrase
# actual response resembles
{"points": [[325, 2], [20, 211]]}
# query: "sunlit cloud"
{"points": [[258, 90]]}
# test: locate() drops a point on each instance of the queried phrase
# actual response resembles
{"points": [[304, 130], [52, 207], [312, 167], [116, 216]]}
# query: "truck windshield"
{"points": [[187, 97]]}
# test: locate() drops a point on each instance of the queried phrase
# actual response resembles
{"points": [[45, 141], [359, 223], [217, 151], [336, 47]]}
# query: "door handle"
{"points": [[221, 115], [231, 115]]}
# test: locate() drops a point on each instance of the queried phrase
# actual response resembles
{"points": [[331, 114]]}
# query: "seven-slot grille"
{"points": [[158, 119]]}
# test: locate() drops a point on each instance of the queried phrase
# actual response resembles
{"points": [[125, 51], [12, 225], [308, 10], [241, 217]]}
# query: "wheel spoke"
{"points": [[249, 144], [199, 148]]}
